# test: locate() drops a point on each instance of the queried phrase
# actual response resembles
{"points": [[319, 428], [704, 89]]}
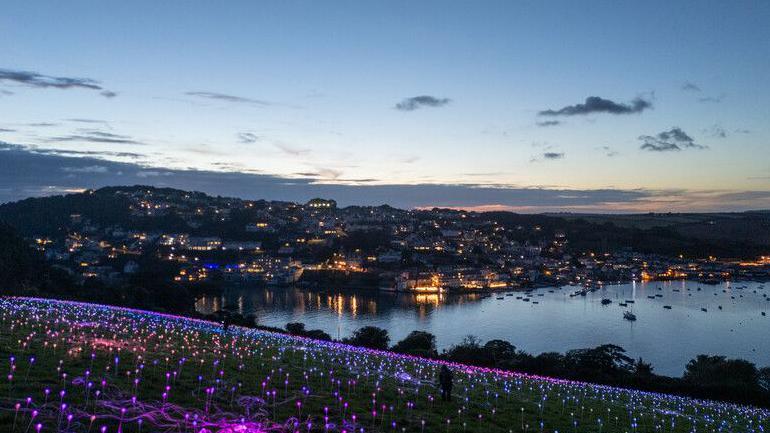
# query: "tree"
{"points": [[418, 343], [721, 378], [469, 352], [501, 352], [20, 265], [371, 337], [706, 370], [318, 334], [607, 358], [764, 379], [296, 328], [642, 368]]}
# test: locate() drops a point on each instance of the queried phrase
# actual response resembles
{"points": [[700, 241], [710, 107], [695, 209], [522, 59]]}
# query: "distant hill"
{"points": [[745, 234], [751, 227]]}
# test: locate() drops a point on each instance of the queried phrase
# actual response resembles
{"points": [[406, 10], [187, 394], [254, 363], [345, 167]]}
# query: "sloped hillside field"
{"points": [[73, 367]]}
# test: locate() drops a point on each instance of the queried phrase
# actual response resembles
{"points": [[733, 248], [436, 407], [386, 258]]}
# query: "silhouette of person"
{"points": [[445, 381], [226, 323]]}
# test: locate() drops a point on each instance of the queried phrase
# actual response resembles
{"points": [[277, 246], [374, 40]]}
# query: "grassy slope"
{"points": [[233, 382]]}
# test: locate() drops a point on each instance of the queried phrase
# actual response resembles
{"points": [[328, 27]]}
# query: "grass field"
{"points": [[84, 368]]}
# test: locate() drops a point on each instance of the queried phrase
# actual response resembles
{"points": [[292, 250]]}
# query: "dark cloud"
{"points": [[34, 79], [415, 102], [547, 123], [247, 137], [91, 136], [690, 87], [595, 104], [228, 98], [671, 140], [69, 153], [553, 155], [108, 94], [25, 173]]}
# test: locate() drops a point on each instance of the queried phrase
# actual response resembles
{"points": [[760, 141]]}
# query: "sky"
{"points": [[539, 106]]}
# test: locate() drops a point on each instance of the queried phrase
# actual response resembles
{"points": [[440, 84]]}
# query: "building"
{"points": [[320, 203]]}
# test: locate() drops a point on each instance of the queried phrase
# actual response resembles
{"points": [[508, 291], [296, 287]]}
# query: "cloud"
{"points": [[608, 151], [84, 120], [25, 173], [672, 140], [34, 150], [553, 155], [7, 130], [86, 169], [4, 92], [595, 104], [108, 94], [415, 102], [42, 124], [690, 87], [291, 150], [34, 79], [712, 99], [329, 173], [228, 98], [717, 131], [547, 123], [91, 136], [247, 137]]}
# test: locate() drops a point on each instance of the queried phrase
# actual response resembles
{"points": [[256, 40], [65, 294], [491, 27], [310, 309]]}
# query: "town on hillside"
{"points": [[108, 235]]}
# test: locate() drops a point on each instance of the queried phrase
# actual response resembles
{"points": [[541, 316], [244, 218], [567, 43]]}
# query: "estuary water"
{"points": [[671, 327]]}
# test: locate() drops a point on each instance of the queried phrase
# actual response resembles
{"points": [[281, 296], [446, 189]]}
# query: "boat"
{"points": [[623, 304], [667, 307], [630, 301], [500, 298], [631, 317], [606, 301], [704, 310]]}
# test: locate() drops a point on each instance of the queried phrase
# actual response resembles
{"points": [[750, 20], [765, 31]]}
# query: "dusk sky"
{"points": [[529, 106]]}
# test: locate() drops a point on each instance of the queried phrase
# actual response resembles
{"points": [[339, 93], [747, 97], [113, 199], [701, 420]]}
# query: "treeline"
{"points": [[706, 376]]}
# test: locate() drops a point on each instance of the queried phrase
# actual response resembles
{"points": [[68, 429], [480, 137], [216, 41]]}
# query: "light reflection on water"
{"points": [[550, 321]]}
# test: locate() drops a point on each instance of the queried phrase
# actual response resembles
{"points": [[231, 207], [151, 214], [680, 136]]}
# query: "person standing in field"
{"points": [[445, 382]]}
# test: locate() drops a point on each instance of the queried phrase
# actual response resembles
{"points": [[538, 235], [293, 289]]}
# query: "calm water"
{"points": [[666, 337]]}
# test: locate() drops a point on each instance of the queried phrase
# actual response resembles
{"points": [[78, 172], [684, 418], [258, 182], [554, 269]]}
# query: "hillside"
{"points": [[80, 367], [744, 235]]}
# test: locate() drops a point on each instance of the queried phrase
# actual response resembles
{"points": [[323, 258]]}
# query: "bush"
{"points": [[371, 337], [417, 343]]}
